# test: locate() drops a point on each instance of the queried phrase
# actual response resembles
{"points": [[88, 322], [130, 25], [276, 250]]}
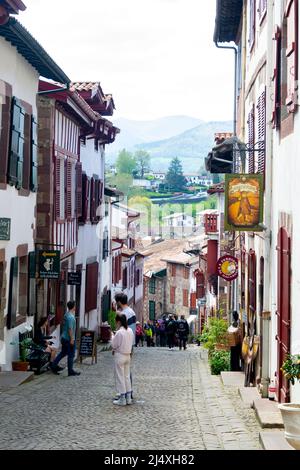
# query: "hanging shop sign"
{"points": [[49, 264], [228, 268], [74, 279], [5, 229], [244, 203]]}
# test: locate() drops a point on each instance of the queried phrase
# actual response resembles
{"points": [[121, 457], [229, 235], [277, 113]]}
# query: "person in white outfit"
{"points": [[122, 347]]}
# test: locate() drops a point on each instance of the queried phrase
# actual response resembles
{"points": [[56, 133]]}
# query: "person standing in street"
{"points": [[123, 308], [170, 330], [183, 332], [122, 348], [67, 341]]}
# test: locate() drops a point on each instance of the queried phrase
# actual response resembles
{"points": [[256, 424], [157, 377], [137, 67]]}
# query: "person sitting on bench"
{"points": [[42, 339]]}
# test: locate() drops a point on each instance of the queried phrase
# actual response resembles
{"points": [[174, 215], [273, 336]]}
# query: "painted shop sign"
{"points": [[49, 264], [228, 268], [243, 202], [5, 229], [74, 279]]}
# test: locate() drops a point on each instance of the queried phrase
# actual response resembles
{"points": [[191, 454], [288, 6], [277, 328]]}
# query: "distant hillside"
{"points": [[187, 138], [138, 132]]}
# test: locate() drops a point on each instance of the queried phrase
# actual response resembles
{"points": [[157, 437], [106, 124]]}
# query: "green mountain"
{"points": [[192, 146]]}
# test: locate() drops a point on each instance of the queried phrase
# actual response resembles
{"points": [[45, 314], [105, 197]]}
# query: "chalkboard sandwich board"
{"points": [[88, 345]]}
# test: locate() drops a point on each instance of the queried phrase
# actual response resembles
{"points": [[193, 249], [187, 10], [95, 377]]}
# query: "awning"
{"points": [[228, 18], [191, 319]]}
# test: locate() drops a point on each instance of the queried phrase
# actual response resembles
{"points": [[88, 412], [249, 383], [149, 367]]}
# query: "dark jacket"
{"points": [[183, 328], [40, 338]]}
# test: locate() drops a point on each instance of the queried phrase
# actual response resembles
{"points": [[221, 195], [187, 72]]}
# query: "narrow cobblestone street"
{"points": [[179, 406]]}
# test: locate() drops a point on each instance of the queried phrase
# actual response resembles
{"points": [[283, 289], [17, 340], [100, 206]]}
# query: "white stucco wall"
{"points": [[23, 78]]}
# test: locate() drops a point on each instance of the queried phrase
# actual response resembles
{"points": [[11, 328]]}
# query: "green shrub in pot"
{"points": [[219, 361]]}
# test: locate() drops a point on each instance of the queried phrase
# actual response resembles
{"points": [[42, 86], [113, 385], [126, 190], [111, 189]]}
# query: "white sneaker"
{"points": [[120, 402], [128, 399]]}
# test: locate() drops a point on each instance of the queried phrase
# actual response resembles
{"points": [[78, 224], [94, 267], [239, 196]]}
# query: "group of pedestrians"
{"points": [[168, 331]]}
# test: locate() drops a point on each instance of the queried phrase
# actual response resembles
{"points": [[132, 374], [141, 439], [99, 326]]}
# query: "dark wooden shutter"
{"points": [[13, 293], [276, 77], [113, 271], [125, 278], [5, 112], [252, 283], [85, 198], [261, 132], [34, 153], [251, 139], [57, 188], [93, 201], [27, 152], [101, 187], [151, 310], [79, 189], [91, 287], [16, 157], [283, 311], [252, 25], [68, 205], [292, 54]]}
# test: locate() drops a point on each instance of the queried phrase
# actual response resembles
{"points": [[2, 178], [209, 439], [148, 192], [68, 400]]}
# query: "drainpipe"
{"points": [[233, 48], [266, 314]]}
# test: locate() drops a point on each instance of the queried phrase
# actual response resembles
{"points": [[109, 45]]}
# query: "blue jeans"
{"points": [[67, 349]]}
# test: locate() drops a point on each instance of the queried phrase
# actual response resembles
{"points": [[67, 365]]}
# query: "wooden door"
{"points": [[283, 311]]}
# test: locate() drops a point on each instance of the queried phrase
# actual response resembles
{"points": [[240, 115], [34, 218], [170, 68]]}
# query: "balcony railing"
{"points": [[211, 223]]}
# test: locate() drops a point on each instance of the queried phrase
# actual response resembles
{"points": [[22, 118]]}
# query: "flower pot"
{"points": [[20, 366], [291, 418]]}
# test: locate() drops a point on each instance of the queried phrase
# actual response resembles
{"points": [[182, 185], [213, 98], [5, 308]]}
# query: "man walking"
{"points": [[170, 330], [183, 332], [67, 341]]}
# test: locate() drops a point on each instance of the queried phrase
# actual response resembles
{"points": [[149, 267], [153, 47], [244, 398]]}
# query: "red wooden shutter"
{"points": [[251, 139], [91, 288], [283, 311], [57, 188], [113, 276], [276, 77], [185, 296], [101, 186], [261, 131], [200, 285], [79, 189], [172, 295], [193, 300], [68, 166], [5, 113], [252, 25], [292, 54]]}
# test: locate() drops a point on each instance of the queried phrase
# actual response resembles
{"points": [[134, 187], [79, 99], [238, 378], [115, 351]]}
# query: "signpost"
{"points": [[88, 345], [5, 229], [49, 264], [74, 278]]}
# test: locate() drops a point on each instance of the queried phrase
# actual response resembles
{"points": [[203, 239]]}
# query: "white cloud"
{"points": [[157, 57]]}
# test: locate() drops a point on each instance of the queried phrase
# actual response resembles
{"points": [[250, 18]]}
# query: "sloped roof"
{"points": [[15, 33], [228, 18]]}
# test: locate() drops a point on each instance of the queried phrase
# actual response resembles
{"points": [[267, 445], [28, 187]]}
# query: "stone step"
{"points": [[12, 379], [248, 395], [274, 440], [233, 379], [268, 414]]}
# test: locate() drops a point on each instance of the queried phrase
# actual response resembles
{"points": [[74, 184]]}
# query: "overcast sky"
{"points": [[156, 57]]}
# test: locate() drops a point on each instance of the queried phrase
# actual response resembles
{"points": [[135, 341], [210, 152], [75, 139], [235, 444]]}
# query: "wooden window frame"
{"points": [[152, 310], [185, 297], [5, 127], [152, 285]]}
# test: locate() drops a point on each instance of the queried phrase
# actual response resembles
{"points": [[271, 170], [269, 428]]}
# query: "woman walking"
{"points": [[122, 348]]}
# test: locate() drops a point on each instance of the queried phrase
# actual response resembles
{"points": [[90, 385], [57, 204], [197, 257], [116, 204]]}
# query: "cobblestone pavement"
{"points": [[179, 406]]}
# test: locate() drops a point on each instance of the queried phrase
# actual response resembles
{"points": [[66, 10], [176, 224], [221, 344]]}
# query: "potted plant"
{"points": [[291, 411], [22, 364]]}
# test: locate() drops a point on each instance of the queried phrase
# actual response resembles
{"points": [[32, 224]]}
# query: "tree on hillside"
{"points": [[126, 163], [143, 162], [123, 182], [174, 178]]}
